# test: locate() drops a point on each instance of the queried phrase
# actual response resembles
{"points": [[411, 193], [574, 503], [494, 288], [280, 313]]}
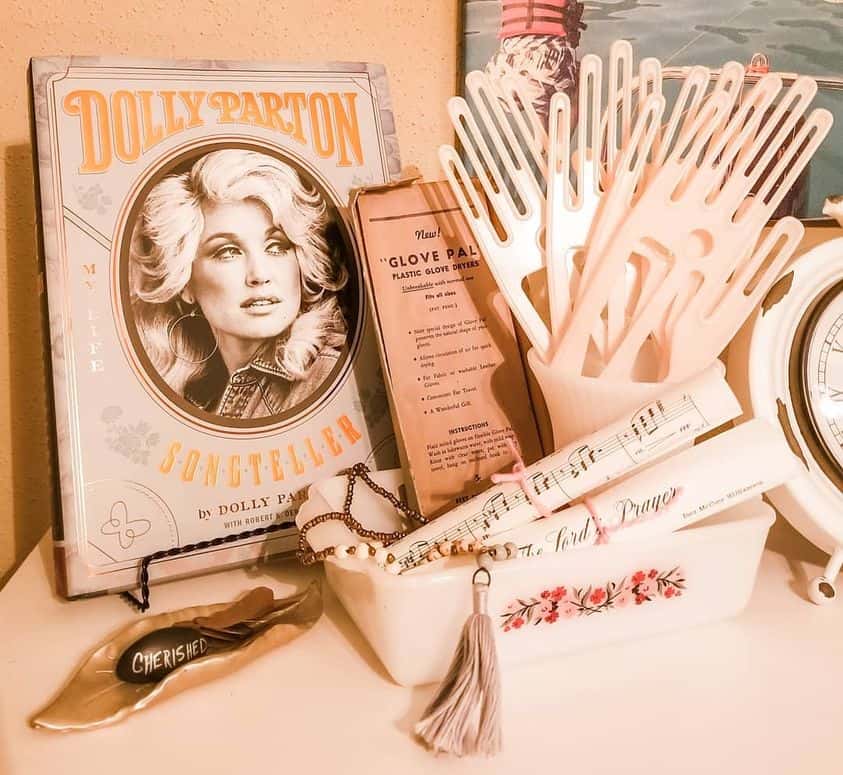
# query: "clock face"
{"points": [[818, 372]]}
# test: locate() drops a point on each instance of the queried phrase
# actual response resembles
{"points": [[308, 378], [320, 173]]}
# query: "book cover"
{"points": [[212, 353], [543, 41], [451, 360]]}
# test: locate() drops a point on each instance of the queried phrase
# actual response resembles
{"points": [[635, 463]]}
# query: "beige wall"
{"points": [[416, 41]]}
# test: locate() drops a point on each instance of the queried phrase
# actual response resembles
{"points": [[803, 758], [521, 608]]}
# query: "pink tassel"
{"points": [[464, 716]]}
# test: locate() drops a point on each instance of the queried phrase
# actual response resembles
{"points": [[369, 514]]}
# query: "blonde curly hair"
{"points": [[165, 240]]}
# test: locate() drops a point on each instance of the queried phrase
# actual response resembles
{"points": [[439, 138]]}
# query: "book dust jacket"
{"points": [[212, 354]]}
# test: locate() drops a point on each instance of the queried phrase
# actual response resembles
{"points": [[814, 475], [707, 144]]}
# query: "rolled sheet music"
{"points": [[682, 413], [691, 485]]}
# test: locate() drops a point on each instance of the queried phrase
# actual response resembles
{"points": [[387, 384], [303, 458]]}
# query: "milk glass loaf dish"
{"points": [[547, 605]]}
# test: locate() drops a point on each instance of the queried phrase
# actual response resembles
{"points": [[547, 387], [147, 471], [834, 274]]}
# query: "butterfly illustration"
{"points": [[126, 530]]}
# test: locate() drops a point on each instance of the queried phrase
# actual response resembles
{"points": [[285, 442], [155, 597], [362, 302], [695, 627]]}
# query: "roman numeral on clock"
{"points": [[835, 395]]}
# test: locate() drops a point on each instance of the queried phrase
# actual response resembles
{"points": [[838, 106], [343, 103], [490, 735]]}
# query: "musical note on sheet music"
{"points": [[647, 420], [681, 414], [581, 459]]}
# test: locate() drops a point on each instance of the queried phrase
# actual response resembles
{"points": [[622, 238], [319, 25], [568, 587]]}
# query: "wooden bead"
{"points": [[444, 549], [499, 552], [511, 549]]}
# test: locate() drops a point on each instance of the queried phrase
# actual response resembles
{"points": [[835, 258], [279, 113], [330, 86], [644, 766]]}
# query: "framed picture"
{"points": [[543, 41]]}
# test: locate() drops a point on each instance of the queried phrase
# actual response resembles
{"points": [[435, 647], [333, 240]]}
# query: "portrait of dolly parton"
{"points": [[239, 285]]}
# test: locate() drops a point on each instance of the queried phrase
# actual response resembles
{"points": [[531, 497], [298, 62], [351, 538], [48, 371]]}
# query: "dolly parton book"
{"points": [[212, 353]]}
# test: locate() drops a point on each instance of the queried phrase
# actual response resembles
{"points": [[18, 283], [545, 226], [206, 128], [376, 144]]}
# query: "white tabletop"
{"points": [[757, 694]]}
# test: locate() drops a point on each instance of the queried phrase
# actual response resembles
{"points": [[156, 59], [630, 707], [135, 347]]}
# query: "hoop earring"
{"points": [[194, 313]]}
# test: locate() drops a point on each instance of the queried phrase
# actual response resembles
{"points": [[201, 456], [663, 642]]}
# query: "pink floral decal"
{"points": [[643, 586]]}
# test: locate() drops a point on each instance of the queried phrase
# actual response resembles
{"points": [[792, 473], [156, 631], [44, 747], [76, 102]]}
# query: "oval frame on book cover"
{"points": [[353, 298]]}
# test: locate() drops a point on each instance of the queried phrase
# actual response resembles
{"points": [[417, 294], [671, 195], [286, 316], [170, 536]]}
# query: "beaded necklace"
{"points": [[377, 548], [306, 554]]}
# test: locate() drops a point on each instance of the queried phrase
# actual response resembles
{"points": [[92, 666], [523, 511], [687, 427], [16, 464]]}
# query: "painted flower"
{"points": [[552, 604]]}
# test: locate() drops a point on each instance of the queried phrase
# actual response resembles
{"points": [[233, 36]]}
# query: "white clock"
{"points": [[786, 366]]}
